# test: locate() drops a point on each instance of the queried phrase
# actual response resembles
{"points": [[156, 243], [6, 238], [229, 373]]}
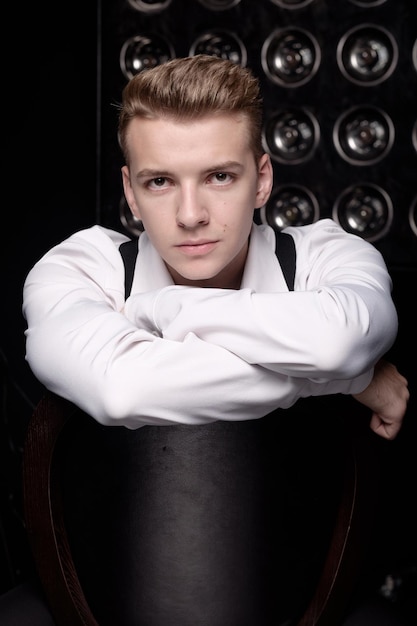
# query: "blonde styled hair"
{"points": [[189, 88]]}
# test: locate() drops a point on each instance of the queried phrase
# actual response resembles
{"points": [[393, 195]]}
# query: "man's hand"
{"points": [[387, 396]]}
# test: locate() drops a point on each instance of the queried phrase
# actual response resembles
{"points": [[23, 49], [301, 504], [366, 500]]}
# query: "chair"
{"points": [[71, 489]]}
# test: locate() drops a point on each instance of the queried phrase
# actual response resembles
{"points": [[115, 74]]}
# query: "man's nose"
{"points": [[191, 209]]}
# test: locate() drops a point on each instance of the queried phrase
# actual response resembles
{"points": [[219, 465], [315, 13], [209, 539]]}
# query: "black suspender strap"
{"points": [[129, 252], [285, 251]]}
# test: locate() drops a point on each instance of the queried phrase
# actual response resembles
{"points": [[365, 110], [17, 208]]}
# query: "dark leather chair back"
{"points": [[256, 523]]}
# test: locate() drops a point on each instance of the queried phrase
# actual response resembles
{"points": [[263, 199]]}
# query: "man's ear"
{"points": [[265, 181], [127, 188]]}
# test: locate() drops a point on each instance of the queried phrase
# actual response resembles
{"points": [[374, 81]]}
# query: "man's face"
{"points": [[195, 185]]}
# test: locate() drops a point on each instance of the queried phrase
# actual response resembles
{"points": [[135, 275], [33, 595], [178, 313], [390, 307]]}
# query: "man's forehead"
{"points": [[167, 143]]}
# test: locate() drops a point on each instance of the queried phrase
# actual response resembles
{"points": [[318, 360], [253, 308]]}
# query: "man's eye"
{"points": [[221, 177], [157, 182]]}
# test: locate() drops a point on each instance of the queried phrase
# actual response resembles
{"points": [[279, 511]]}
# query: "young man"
{"points": [[210, 331]]}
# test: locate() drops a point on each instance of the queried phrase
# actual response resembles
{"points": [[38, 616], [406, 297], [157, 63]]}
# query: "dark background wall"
{"points": [[61, 77], [49, 79]]}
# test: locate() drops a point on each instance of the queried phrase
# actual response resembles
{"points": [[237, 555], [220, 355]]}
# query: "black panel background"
{"points": [[54, 98]]}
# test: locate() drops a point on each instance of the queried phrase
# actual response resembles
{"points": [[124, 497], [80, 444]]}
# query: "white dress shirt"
{"points": [[174, 354]]}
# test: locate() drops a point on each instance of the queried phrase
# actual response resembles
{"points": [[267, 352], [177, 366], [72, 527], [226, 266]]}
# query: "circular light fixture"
{"points": [[365, 210], [368, 3], [290, 56], [292, 4], [149, 6], [219, 5], [414, 135], [290, 205], [129, 221], [412, 216], [291, 136], [414, 54], [222, 44], [363, 135], [367, 54], [144, 52]]}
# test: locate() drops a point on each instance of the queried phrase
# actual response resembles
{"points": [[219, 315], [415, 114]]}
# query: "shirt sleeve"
{"points": [[85, 343], [335, 326], [81, 345]]}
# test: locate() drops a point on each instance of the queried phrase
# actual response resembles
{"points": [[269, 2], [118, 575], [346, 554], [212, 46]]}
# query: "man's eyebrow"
{"points": [[148, 173], [220, 167], [216, 167]]}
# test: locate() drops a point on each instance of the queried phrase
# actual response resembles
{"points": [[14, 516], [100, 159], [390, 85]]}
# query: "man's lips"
{"points": [[197, 247]]}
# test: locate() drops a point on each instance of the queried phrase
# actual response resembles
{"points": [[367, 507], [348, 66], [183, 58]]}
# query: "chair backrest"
{"points": [[249, 523]]}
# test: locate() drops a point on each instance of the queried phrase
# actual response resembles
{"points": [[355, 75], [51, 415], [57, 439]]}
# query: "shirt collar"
{"points": [[262, 272]]}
